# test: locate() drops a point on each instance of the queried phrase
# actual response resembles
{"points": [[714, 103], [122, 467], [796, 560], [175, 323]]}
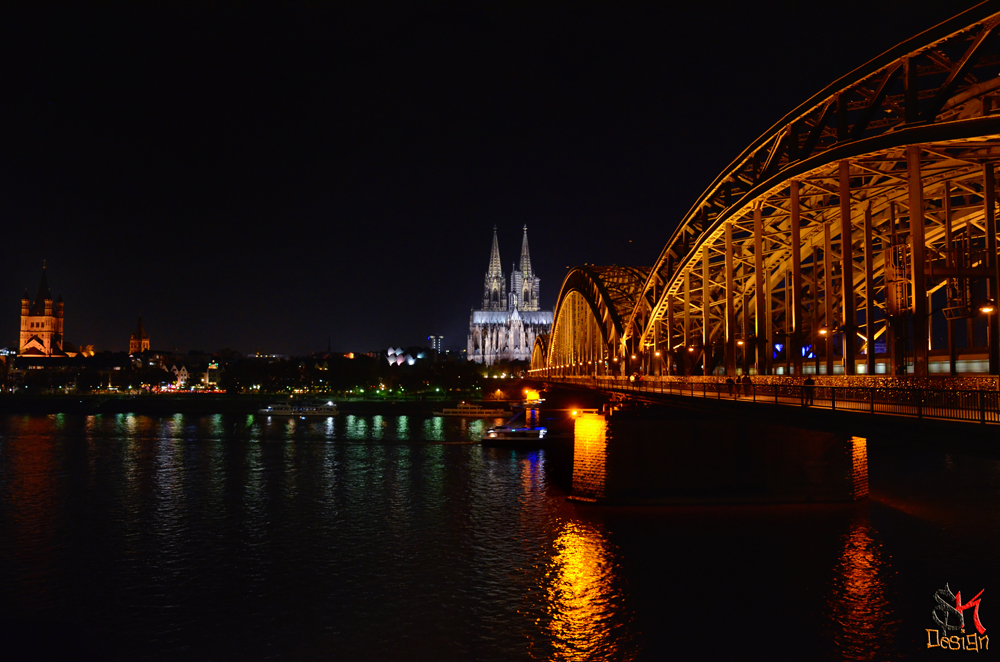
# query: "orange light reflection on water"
{"points": [[583, 602], [862, 618]]}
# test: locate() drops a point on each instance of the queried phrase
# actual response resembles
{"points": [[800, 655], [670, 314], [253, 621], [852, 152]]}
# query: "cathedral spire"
{"points": [[495, 287], [495, 271], [525, 257]]}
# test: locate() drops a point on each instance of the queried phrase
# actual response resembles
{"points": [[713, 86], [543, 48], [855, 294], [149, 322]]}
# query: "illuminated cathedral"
{"points": [[506, 326]]}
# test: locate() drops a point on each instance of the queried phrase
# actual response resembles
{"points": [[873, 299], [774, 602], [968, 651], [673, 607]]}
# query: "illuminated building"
{"points": [[506, 326], [42, 324], [139, 341]]}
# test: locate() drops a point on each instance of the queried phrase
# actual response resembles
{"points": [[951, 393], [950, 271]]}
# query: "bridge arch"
{"points": [[850, 235], [588, 327]]}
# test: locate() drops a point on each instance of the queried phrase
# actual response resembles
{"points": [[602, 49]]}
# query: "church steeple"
{"points": [[139, 341], [43, 300], [495, 270], [525, 257], [495, 290], [523, 281]]}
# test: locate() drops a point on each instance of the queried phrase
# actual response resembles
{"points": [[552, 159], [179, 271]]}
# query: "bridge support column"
{"points": [[949, 244], [828, 297], [730, 306], [993, 319], [669, 353], [917, 281], [896, 328], [794, 350], [849, 345], [706, 319], [686, 350], [763, 305], [869, 294]]}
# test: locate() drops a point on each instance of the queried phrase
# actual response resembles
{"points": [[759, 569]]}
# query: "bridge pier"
{"points": [[677, 457]]}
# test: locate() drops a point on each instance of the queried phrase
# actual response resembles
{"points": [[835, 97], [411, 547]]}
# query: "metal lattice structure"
{"points": [[844, 236], [594, 302]]}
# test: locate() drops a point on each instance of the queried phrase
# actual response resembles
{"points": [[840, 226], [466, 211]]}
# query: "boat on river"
{"points": [[510, 436], [299, 409], [470, 410]]}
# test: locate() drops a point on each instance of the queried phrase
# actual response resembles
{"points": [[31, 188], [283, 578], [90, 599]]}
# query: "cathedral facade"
{"points": [[504, 329]]}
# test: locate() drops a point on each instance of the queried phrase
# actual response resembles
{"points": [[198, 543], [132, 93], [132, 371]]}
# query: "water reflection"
{"points": [[474, 430], [859, 612], [355, 427], [583, 603], [31, 492], [434, 429], [162, 522]]}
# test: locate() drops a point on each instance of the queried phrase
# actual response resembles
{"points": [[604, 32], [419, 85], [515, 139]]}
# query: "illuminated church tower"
{"points": [[523, 282], [139, 342], [507, 325], [41, 323], [495, 288]]}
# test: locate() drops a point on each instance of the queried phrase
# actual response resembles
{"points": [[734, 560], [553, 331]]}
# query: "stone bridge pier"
{"points": [[674, 457]]}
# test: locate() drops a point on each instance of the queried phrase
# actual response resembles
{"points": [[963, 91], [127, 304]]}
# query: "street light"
{"points": [[988, 307], [823, 330]]}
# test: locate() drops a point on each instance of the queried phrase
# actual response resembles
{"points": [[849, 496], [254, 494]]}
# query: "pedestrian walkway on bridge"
{"points": [[974, 406]]}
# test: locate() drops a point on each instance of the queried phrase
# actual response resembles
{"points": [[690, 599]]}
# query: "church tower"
{"points": [[139, 342], [41, 323], [524, 285], [495, 290]]}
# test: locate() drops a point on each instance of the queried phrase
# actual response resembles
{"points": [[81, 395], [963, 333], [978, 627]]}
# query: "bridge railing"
{"points": [[980, 406]]}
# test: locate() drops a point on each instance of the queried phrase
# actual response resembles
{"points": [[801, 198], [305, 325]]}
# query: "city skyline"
{"points": [[284, 178]]}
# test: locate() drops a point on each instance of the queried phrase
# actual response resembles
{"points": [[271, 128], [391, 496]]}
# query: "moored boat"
{"points": [[505, 435], [472, 411], [299, 409]]}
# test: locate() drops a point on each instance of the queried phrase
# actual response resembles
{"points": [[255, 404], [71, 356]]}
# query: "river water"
{"points": [[401, 538]]}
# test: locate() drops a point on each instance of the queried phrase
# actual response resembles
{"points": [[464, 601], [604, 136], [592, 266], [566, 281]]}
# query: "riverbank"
{"points": [[197, 403]]}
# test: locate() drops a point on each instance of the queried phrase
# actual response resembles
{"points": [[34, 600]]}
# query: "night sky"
{"points": [[282, 178]]}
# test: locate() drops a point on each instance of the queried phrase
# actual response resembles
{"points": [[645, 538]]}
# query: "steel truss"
{"points": [[588, 327], [865, 216]]}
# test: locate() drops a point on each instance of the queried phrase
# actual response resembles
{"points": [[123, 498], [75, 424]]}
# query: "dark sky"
{"points": [[275, 178]]}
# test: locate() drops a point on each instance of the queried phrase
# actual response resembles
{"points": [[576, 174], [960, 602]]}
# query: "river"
{"points": [[401, 538]]}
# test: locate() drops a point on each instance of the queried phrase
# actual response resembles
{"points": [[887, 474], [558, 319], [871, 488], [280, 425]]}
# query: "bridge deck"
{"points": [[972, 406]]}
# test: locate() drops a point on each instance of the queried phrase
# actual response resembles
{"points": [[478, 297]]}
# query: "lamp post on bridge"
{"points": [[989, 308]]}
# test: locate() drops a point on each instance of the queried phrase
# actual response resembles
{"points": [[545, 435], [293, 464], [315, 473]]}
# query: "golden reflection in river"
{"points": [[859, 611], [583, 603]]}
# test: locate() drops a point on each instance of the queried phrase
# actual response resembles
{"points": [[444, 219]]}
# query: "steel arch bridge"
{"points": [[848, 238], [594, 302]]}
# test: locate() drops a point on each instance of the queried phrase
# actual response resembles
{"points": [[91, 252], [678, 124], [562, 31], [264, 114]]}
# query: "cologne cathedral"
{"points": [[506, 326]]}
